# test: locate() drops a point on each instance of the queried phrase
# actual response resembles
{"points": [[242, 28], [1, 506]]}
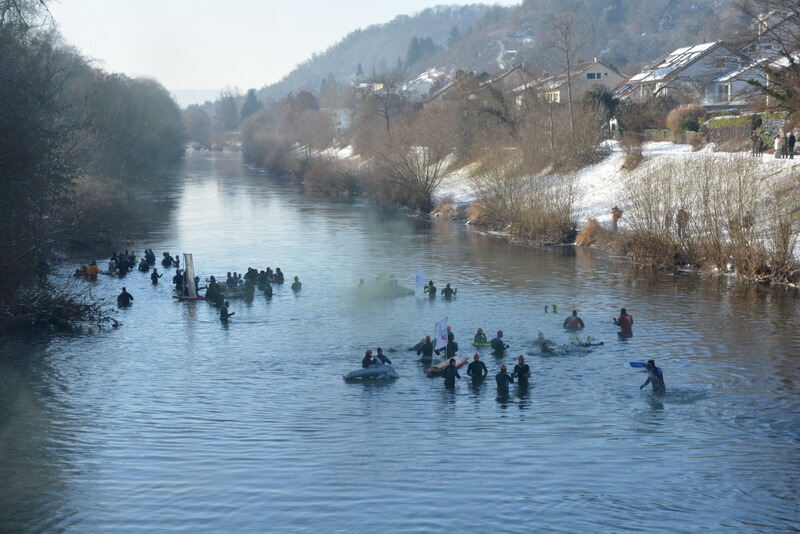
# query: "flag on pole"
{"points": [[420, 278], [441, 334]]}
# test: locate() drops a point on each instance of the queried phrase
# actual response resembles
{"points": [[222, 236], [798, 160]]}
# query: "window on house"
{"points": [[590, 76]]}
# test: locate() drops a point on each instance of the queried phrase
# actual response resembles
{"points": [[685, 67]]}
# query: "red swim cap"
{"points": [[476, 357], [449, 328], [521, 358], [503, 367], [369, 352]]}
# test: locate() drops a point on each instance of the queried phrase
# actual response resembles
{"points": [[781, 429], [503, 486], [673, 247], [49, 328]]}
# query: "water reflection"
{"points": [[200, 425]]}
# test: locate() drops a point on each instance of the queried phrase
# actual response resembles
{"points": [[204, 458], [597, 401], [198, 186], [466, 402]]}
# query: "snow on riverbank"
{"points": [[602, 185]]}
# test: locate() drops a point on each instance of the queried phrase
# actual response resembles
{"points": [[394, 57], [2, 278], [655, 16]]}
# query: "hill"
{"points": [[625, 33]]}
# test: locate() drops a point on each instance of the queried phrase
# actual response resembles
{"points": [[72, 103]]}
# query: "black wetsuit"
{"points": [[124, 299], [448, 293], [384, 359], [503, 380], [477, 370], [450, 374], [479, 338], [426, 350], [224, 314], [268, 291], [498, 346], [431, 291], [522, 373], [154, 276], [657, 380], [296, 286], [367, 361]]}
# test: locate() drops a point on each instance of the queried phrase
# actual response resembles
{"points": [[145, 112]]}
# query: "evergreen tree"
{"points": [[251, 104], [413, 54], [454, 35]]}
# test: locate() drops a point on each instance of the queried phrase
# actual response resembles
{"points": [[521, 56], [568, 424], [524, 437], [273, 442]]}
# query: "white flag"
{"points": [[441, 334], [420, 278]]}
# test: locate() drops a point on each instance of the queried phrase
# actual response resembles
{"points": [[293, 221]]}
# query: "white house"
{"points": [[686, 72], [583, 76]]}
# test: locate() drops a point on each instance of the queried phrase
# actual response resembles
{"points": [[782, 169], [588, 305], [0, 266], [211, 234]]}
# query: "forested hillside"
{"points": [[626, 33]]}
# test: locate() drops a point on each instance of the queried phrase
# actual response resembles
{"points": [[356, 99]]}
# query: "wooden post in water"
{"points": [[189, 275]]}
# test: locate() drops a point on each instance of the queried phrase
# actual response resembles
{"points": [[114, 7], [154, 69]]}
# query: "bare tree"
{"points": [[567, 44]]}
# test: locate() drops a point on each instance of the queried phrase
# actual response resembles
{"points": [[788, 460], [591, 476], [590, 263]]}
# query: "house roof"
{"points": [[675, 61], [551, 83], [723, 78]]}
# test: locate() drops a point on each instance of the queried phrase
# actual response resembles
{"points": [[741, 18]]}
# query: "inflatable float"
{"points": [[437, 369], [377, 372]]}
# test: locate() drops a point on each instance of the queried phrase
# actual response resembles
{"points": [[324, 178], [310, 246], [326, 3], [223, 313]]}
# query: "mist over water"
{"points": [[175, 422]]}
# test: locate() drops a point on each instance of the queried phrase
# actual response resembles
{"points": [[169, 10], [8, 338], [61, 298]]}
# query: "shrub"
{"points": [[689, 124], [684, 111], [632, 147]]}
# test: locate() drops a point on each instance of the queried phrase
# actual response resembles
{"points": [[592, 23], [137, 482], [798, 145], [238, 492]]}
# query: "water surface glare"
{"points": [[175, 422]]}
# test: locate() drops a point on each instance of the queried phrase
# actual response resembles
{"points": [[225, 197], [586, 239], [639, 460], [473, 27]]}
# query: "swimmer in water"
{"points": [[450, 373], [477, 370], [654, 377], [573, 322], [480, 337], [498, 346], [503, 380], [522, 372], [625, 323], [426, 350], [368, 360]]}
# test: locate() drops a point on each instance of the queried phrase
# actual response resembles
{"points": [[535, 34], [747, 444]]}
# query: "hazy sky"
{"points": [[210, 44]]}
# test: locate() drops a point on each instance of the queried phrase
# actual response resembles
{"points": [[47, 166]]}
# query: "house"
{"points": [[583, 76], [733, 89], [685, 73]]}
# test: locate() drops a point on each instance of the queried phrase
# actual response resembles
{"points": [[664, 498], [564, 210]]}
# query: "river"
{"points": [[176, 422]]}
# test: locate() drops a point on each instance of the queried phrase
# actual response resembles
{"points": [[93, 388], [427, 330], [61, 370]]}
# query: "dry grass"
{"points": [[714, 214]]}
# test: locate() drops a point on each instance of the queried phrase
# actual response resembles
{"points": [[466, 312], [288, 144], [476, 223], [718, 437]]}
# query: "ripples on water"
{"points": [[176, 422]]}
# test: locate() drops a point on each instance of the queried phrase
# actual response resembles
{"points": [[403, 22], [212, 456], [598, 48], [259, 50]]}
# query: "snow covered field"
{"points": [[601, 186]]}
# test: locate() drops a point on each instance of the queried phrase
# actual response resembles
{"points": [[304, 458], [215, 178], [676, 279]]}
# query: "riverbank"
{"points": [[706, 211]]}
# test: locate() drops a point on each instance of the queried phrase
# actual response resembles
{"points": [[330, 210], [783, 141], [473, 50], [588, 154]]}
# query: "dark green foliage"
{"points": [[198, 125], [601, 99], [689, 124], [251, 104]]}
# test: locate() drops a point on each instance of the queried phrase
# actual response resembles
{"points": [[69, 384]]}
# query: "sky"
{"points": [[213, 44]]}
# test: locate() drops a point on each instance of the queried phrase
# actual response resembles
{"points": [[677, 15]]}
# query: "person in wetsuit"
{"points": [[426, 350], [544, 344], [296, 285], [477, 369], [225, 313], [212, 290], [367, 360], [625, 323], [503, 380], [452, 346], [268, 291], [124, 299], [450, 373], [654, 377], [573, 322], [144, 266], [480, 337], [278, 275], [382, 358], [498, 346], [430, 289], [449, 292], [522, 372]]}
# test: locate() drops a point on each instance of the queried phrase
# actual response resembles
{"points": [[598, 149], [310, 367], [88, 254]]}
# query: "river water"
{"points": [[176, 422]]}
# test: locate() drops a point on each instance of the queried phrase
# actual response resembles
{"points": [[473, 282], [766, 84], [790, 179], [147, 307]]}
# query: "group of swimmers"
{"points": [[448, 292], [477, 369]]}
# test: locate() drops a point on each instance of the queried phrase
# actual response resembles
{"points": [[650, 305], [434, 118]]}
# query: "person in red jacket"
{"points": [[625, 323]]}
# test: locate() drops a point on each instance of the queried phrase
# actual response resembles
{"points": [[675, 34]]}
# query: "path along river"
{"points": [[175, 422]]}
